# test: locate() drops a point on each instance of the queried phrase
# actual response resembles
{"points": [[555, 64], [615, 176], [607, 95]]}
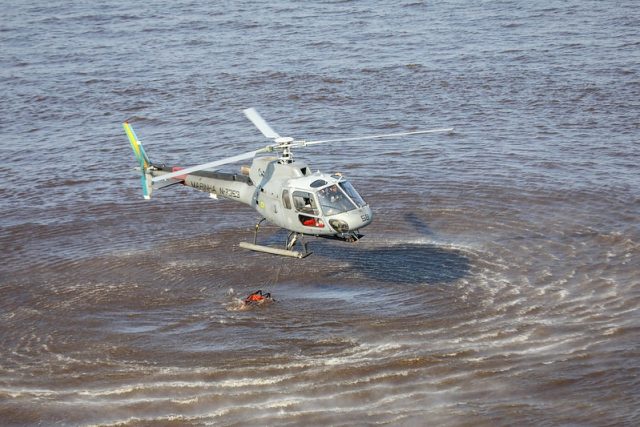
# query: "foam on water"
{"points": [[497, 283]]}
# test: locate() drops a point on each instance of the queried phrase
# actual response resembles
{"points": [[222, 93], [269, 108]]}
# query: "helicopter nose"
{"points": [[369, 215], [366, 216], [352, 220]]}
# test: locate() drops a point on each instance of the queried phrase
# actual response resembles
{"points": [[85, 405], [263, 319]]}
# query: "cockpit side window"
{"points": [[305, 202]]}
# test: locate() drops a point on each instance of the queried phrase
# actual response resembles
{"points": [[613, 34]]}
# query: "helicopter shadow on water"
{"points": [[407, 263]]}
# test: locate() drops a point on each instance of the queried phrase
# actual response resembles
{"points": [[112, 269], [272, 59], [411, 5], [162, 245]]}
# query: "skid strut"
{"points": [[292, 239], [255, 234]]}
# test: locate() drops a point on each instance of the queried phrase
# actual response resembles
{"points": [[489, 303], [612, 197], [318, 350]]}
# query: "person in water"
{"points": [[258, 297]]}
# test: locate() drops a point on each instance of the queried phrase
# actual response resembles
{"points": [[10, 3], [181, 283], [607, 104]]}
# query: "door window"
{"points": [[304, 202]]}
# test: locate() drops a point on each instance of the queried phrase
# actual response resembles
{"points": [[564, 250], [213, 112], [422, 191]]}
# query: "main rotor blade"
{"points": [[260, 123], [209, 165], [387, 135]]}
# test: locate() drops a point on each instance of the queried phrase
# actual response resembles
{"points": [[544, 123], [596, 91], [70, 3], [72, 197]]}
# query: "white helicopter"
{"points": [[284, 191]]}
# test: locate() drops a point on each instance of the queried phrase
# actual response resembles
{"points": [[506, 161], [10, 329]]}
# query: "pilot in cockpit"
{"points": [[334, 194]]}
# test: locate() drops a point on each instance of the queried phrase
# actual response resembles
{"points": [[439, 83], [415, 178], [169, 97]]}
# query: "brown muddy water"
{"points": [[497, 285]]}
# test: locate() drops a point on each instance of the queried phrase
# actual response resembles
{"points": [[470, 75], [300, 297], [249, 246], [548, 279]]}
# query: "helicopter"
{"points": [[283, 190]]}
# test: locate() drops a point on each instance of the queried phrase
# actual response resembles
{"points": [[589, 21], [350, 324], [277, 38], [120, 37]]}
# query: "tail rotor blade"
{"points": [[260, 123]]}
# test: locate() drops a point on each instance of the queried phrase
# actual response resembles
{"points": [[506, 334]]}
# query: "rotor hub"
{"points": [[283, 140], [286, 157]]}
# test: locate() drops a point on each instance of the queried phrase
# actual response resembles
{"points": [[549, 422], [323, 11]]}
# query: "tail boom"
{"points": [[237, 187]]}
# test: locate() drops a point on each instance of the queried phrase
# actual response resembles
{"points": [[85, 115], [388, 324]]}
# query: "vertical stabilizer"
{"points": [[142, 158]]}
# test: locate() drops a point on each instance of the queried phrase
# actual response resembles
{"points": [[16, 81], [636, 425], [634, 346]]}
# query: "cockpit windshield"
{"points": [[339, 198], [351, 192], [334, 201]]}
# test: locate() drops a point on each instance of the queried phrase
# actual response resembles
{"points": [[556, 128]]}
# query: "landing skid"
{"points": [[292, 239], [275, 251]]}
